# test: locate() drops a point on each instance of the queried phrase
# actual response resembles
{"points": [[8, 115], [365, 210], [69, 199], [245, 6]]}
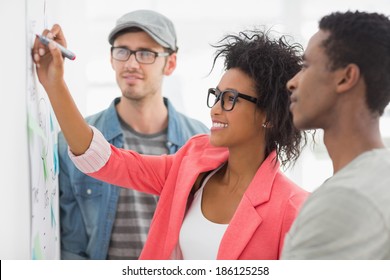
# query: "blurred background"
{"points": [[199, 24]]}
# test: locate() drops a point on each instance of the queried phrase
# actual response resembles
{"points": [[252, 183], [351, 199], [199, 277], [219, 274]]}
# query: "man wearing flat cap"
{"points": [[108, 222]]}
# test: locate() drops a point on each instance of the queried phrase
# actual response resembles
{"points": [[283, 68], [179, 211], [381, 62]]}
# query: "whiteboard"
{"points": [[29, 206], [43, 152]]}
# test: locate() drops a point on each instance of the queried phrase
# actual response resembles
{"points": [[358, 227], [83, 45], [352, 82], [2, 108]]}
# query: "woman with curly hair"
{"points": [[222, 196]]}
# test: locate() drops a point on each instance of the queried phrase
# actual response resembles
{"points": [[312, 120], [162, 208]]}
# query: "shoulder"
{"points": [[345, 204], [198, 147], [327, 224], [98, 119], [366, 179], [191, 124], [289, 188], [106, 116], [366, 166], [199, 141]]}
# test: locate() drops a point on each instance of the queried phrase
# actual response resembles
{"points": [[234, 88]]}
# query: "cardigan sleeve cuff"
{"points": [[95, 157]]}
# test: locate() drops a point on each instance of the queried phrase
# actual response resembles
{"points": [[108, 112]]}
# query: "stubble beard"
{"points": [[131, 94]]}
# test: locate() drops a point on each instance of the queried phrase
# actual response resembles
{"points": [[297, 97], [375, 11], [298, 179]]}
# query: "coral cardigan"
{"points": [[259, 225]]}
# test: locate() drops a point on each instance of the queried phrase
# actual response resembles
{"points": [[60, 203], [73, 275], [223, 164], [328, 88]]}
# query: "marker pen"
{"points": [[65, 52]]}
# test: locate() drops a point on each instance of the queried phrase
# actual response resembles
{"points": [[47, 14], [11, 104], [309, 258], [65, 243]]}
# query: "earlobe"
{"points": [[350, 76], [267, 124], [112, 64]]}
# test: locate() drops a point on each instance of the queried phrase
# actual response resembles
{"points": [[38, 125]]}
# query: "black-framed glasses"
{"points": [[142, 56], [228, 98]]}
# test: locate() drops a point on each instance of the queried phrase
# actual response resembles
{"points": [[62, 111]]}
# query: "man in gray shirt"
{"points": [[343, 88]]}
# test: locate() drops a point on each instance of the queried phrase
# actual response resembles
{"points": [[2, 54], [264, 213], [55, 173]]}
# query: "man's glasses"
{"points": [[142, 56], [228, 98]]}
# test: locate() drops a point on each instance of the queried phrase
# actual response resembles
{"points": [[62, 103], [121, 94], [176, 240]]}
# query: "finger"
{"points": [[58, 35], [36, 59], [34, 52], [56, 53], [43, 49], [39, 49]]}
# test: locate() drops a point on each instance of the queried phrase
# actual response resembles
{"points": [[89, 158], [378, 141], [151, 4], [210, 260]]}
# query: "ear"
{"points": [[348, 77], [111, 61], [261, 119], [267, 125], [170, 66]]}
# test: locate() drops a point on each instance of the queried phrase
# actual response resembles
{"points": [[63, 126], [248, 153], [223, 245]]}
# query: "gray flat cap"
{"points": [[158, 26]]}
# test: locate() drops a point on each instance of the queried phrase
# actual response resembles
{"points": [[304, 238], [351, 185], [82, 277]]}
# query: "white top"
{"points": [[200, 238]]}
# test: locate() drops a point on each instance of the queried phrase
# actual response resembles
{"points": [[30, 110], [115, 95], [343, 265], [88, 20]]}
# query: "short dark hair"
{"points": [[363, 39], [270, 63]]}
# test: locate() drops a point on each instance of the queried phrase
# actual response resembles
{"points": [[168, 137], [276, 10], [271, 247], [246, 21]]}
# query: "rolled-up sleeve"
{"points": [[95, 157]]}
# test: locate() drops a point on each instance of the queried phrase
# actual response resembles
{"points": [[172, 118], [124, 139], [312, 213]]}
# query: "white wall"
{"points": [[14, 171]]}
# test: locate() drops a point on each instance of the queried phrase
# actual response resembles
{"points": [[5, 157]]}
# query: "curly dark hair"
{"points": [[270, 63], [363, 39]]}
